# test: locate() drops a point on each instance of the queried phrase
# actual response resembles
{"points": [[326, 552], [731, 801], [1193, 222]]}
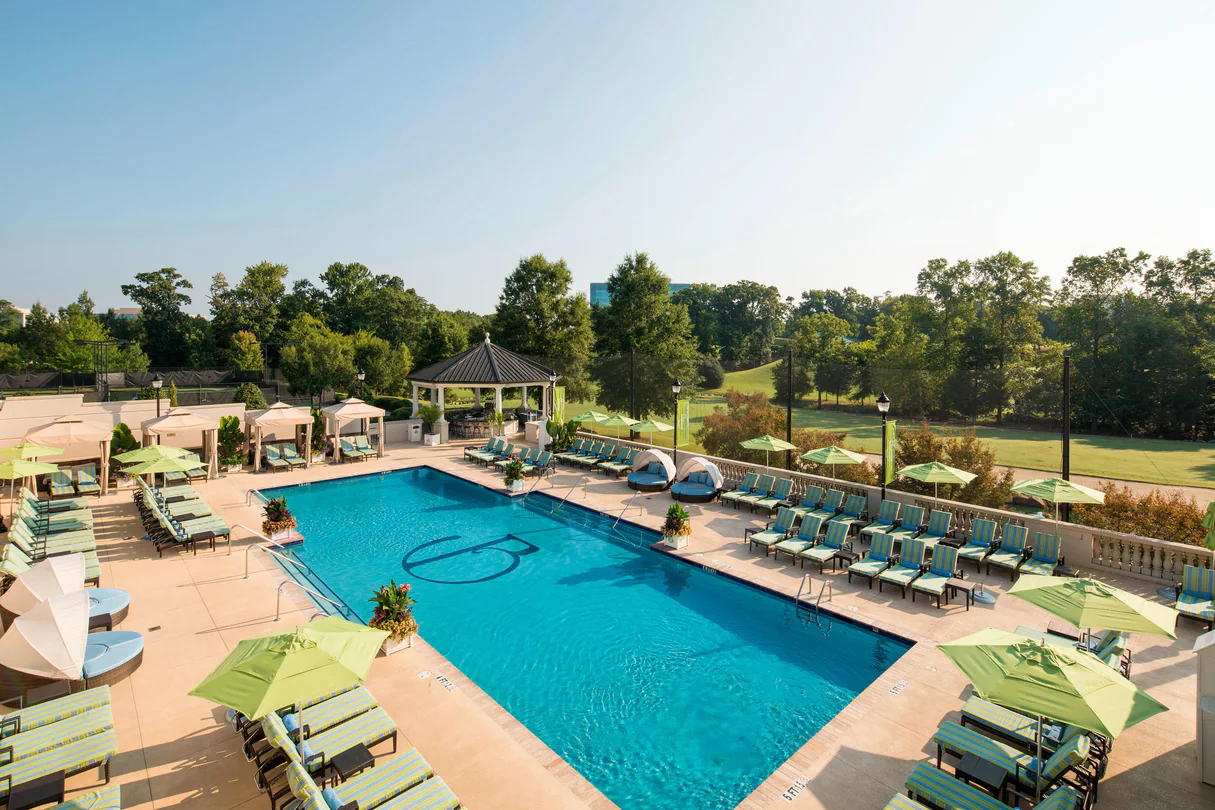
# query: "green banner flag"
{"points": [[559, 403], [888, 450], [683, 422]]}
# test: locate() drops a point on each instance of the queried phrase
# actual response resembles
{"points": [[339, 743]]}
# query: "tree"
{"points": [[397, 314], [1012, 292], [820, 355], [702, 303], [538, 316], [385, 366], [10, 318], [349, 289], [992, 486], [251, 396], [749, 316], [711, 373], [160, 297], [304, 297], [318, 359], [441, 338], [246, 352], [642, 320]]}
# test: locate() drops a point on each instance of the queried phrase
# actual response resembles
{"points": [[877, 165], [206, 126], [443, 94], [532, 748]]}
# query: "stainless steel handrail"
{"points": [[627, 505], [256, 534], [827, 584], [272, 553], [581, 480], [278, 600]]}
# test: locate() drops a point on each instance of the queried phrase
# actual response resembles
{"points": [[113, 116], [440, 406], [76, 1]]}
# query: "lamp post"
{"points": [[362, 375], [676, 387], [883, 403], [158, 383]]}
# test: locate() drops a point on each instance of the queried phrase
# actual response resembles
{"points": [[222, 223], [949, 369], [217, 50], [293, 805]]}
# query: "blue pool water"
{"points": [[665, 686]]}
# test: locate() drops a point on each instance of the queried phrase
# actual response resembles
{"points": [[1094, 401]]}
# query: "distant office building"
{"points": [[126, 313], [599, 292]]}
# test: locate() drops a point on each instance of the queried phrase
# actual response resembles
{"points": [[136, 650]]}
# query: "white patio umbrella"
{"points": [[49, 641], [54, 576]]}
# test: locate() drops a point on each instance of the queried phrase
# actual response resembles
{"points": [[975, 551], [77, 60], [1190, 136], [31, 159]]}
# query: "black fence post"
{"points": [[632, 385], [789, 415], [1066, 511]]}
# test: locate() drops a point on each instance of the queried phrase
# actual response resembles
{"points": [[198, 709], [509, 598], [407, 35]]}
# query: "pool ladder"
{"points": [[812, 608], [581, 480]]}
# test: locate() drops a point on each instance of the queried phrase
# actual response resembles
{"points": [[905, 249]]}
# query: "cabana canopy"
{"points": [[183, 420], [699, 464], [353, 408], [647, 480], [278, 417], [69, 430], [483, 366]]}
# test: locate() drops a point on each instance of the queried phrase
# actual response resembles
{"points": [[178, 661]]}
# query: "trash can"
{"points": [[415, 432]]}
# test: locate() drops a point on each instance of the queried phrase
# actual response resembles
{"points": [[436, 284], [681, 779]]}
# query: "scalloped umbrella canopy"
{"points": [[161, 465], [618, 421], [652, 426], [54, 576], [19, 468], [1057, 491], [28, 450], [1089, 603], [833, 455], [49, 640], [151, 453], [591, 416], [769, 444], [936, 473]]}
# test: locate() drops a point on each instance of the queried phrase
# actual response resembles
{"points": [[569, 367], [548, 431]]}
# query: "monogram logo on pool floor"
{"points": [[465, 563]]}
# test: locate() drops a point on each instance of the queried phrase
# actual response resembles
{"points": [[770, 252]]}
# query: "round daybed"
{"points": [[653, 471], [110, 656], [699, 481], [113, 601]]}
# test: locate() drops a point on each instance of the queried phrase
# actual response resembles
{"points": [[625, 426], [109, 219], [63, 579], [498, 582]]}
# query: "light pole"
{"points": [[158, 383], [883, 403], [676, 387], [362, 375]]}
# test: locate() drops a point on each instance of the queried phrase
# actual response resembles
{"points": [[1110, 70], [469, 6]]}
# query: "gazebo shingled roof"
{"points": [[484, 365]]}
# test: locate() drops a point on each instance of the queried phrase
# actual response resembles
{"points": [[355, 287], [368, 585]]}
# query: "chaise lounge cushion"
{"points": [[107, 651]]}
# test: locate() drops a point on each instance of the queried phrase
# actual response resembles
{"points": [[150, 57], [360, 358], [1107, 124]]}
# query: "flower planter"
{"points": [[282, 537], [392, 645], [318, 458], [232, 468], [675, 540], [515, 486], [431, 440]]}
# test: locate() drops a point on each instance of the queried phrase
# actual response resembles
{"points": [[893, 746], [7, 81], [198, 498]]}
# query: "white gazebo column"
{"points": [[442, 390], [497, 399], [414, 412], [523, 397], [257, 449], [477, 394]]}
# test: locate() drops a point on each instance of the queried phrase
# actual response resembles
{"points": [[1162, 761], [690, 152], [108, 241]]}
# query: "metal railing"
{"points": [[278, 599], [254, 494], [581, 480], [807, 579], [274, 554], [628, 504], [253, 532]]}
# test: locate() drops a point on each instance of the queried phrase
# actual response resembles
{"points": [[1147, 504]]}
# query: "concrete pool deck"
{"points": [[175, 750]]}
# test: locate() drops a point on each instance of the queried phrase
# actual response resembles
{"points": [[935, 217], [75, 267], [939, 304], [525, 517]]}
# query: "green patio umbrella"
{"points": [[936, 473], [1208, 523], [1057, 491], [151, 453], [304, 663], [1088, 603], [1063, 684], [591, 416], [833, 455], [652, 426], [16, 468], [768, 444], [26, 450], [618, 421], [160, 465]]}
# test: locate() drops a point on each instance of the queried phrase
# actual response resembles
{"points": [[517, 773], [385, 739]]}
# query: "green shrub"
{"points": [[712, 372], [122, 441], [400, 414], [252, 396], [318, 430], [230, 439]]}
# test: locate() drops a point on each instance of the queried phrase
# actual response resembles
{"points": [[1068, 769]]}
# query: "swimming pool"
{"points": [[664, 685]]}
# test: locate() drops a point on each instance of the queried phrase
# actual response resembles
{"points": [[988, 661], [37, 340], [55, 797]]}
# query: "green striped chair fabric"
{"points": [[1021, 766], [53, 711], [108, 798], [1197, 593], [938, 527], [807, 536], [887, 515], [832, 503], [363, 445], [744, 488], [837, 535], [57, 521], [854, 507], [909, 524], [86, 481], [943, 567], [907, 569], [59, 505], [1020, 729], [276, 461], [385, 780], [337, 709], [1012, 548], [1045, 558], [92, 565], [943, 790], [763, 488], [72, 758], [979, 541], [65, 543], [901, 802], [61, 484], [433, 794], [778, 531], [779, 495], [368, 728], [77, 727], [291, 455], [876, 560]]}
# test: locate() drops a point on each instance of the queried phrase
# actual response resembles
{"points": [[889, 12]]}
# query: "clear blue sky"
{"points": [[803, 144]]}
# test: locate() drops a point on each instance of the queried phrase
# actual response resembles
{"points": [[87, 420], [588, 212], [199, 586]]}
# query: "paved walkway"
{"points": [[175, 750]]}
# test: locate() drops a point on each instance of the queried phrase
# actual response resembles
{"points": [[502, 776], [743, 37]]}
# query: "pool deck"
{"points": [[175, 750]]}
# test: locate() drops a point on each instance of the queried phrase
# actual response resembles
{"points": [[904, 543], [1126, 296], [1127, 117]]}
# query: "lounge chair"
{"points": [[53, 546], [653, 478], [1011, 552], [622, 464], [886, 521], [590, 447], [855, 510], [319, 716], [60, 505], [907, 568], [199, 470], [938, 528], [1068, 760], [808, 533], [1196, 594], [776, 531], [939, 789], [541, 464], [349, 450], [1045, 557], [833, 502], [107, 798], [1021, 731], [980, 542], [696, 488], [369, 728], [385, 780], [590, 455], [66, 520], [61, 485], [524, 457], [433, 794], [86, 481], [574, 450], [53, 711], [606, 453], [776, 499], [622, 453], [836, 540], [879, 558], [291, 455], [505, 452], [470, 452], [745, 488], [14, 561], [944, 567], [363, 445], [911, 523], [809, 501], [32, 742], [1110, 646], [73, 758], [901, 802]]}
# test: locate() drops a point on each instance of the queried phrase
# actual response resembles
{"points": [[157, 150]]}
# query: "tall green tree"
{"points": [[317, 359], [385, 365], [702, 303], [750, 315], [246, 352], [441, 338], [1012, 294], [160, 295], [349, 289]]}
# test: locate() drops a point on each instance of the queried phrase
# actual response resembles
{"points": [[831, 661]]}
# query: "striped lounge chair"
{"points": [[763, 489], [623, 462], [52, 546], [980, 542], [53, 711], [1045, 557], [607, 452], [854, 510], [836, 540], [589, 449], [371, 788], [748, 484], [574, 450], [807, 536], [73, 758], [433, 794], [63, 521], [1021, 731], [1067, 760], [1196, 594], [944, 567], [901, 802], [876, 561], [777, 498], [363, 445], [776, 531], [938, 789], [86, 481], [61, 485], [539, 465], [470, 452], [279, 748], [291, 455], [910, 524], [833, 502], [938, 528], [20, 561], [41, 506], [887, 518], [1011, 552], [907, 569], [525, 456], [35, 741], [107, 798]]}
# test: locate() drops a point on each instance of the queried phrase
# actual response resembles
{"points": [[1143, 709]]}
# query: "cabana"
{"points": [[653, 471], [483, 366], [69, 430], [353, 408], [698, 481], [277, 418], [183, 420]]}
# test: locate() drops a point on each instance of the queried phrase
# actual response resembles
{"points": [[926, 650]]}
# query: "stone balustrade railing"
{"points": [[1139, 557]]}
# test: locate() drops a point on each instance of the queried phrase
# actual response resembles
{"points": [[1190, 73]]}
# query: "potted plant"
{"points": [[318, 436], [677, 527], [429, 414], [229, 440], [394, 613], [514, 474], [277, 521]]}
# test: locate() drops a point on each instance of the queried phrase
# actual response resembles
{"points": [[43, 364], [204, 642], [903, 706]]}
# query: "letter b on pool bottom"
{"points": [[459, 560]]}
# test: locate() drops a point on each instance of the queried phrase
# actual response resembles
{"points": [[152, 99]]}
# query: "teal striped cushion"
{"points": [[900, 574], [338, 709], [931, 583], [901, 802], [1038, 567], [386, 779], [60, 708], [768, 538], [72, 758], [69, 730], [108, 798], [433, 794], [820, 553], [1195, 606], [867, 567], [300, 782], [942, 789], [1005, 559], [958, 741], [366, 729]]}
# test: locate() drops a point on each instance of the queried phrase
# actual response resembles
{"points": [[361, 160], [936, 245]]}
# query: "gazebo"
{"points": [[278, 417], [483, 366], [351, 409], [69, 430], [183, 420]]}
